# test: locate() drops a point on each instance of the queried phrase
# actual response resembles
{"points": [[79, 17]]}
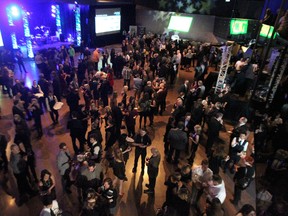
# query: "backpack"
{"points": [[244, 182], [145, 106]]}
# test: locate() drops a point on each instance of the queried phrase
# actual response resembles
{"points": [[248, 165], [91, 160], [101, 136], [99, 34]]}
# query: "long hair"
{"points": [[43, 173], [118, 154]]}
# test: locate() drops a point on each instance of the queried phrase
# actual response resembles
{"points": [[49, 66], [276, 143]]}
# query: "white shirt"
{"points": [[47, 211], [96, 149], [239, 64], [217, 191], [234, 142], [198, 175]]}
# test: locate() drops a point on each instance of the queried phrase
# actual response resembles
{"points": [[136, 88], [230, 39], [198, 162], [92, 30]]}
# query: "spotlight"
{"points": [[15, 11], [53, 7], [76, 2], [28, 13], [53, 15]]}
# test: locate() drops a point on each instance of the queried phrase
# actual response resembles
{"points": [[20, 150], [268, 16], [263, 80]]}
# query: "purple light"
{"points": [[53, 10], [28, 13], [76, 2], [53, 7], [53, 15]]}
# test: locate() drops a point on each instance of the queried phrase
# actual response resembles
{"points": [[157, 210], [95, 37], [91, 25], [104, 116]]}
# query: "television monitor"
{"points": [[180, 23], [238, 26], [266, 31], [1, 40], [107, 21]]}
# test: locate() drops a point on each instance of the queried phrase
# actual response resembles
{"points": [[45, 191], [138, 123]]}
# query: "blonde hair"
{"points": [[155, 150], [198, 129]]}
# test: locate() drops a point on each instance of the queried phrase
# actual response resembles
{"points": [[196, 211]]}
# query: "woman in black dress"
{"points": [[110, 134], [47, 184], [119, 169], [94, 113], [194, 137], [144, 105]]}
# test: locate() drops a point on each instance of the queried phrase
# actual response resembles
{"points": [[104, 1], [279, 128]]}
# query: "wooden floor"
{"points": [[134, 202]]}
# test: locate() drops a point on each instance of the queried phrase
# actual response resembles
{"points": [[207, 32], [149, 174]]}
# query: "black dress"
{"points": [[119, 169], [110, 136], [44, 189]]}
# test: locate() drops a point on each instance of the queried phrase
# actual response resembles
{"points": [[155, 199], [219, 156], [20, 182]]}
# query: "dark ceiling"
{"points": [[88, 2]]}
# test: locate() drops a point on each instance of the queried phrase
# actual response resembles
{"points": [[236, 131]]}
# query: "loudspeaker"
{"points": [[62, 38]]}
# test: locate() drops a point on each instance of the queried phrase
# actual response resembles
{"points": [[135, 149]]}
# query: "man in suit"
{"points": [[51, 100], [214, 126], [76, 132], [238, 148], [63, 164], [184, 88], [178, 141], [141, 141], [153, 168], [241, 127]]}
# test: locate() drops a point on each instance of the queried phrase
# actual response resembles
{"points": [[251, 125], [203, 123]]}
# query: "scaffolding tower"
{"points": [[225, 62]]}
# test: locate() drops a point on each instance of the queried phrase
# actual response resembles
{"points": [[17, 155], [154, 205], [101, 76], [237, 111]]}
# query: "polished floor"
{"points": [[134, 202]]}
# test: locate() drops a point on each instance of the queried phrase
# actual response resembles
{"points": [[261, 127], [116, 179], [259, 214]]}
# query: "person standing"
{"points": [[119, 169], [194, 137], [216, 189], [141, 141], [92, 176], [130, 119], [71, 52], [19, 57], [3, 156], [214, 127], [76, 132], [51, 100], [19, 167], [95, 58], [72, 100], [36, 110], [63, 164], [153, 168], [178, 141], [238, 149], [200, 177], [127, 73], [95, 148], [109, 194], [47, 184], [243, 177]]}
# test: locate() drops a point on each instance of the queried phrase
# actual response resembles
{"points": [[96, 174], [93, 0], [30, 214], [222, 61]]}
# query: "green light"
{"points": [[238, 26], [180, 23], [266, 31]]}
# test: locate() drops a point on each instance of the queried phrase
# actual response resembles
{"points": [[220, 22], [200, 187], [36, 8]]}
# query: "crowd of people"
{"points": [[148, 65]]}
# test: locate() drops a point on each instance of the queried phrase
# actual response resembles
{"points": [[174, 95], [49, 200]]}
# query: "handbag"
{"points": [[244, 182]]}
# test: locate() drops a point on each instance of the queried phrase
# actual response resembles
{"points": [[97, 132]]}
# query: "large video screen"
{"points": [[180, 23], [238, 26], [1, 40], [266, 31], [107, 21]]}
